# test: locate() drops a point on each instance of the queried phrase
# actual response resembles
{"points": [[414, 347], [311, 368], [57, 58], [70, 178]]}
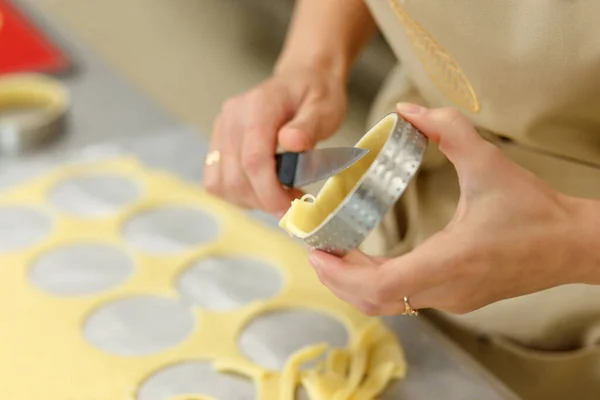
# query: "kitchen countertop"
{"points": [[106, 109]]}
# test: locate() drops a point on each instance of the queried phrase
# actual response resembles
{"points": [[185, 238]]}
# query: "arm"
{"points": [[588, 255], [326, 34]]}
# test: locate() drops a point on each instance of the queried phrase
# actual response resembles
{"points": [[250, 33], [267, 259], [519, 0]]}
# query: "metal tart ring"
{"points": [[47, 102]]}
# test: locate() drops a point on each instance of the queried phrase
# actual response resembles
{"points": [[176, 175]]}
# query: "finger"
{"points": [[294, 192], [387, 283], [455, 134], [358, 257], [211, 178], [356, 273], [372, 295], [361, 305], [235, 185], [436, 298], [427, 267], [434, 274], [305, 129], [258, 158], [393, 307], [364, 306]]}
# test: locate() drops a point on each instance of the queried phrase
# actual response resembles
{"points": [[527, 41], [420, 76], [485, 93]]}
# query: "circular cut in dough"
{"points": [[227, 282], [197, 380], [81, 269], [139, 325], [21, 227], [271, 338], [170, 229], [306, 214], [93, 196]]}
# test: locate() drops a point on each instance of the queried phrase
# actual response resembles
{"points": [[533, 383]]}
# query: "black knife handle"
{"points": [[285, 164]]}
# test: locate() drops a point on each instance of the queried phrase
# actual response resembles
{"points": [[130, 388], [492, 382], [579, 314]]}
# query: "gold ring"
{"points": [[212, 158], [408, 310]]}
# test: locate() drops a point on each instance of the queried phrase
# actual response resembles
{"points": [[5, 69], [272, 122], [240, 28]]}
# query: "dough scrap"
{"points": [[291, 371], [337, 362], [359, 373], [231, 366], [375, 382]]}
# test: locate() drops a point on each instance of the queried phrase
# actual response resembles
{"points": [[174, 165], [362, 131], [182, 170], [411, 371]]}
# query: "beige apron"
{"points": [[527, 74]]}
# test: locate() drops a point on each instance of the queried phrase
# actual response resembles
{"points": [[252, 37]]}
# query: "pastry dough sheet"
{"points": [[46, 355]]}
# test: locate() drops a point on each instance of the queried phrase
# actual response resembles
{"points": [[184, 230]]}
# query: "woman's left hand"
{"points": [[511, 235]]}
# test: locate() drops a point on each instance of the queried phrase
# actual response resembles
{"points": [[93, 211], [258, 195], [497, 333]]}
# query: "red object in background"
{"points": [[24, 48]]}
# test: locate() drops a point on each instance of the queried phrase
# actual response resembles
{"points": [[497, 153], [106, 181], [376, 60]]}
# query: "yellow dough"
{"points": [[375, 383], [359, 373], [27, 90], [44, 352], [291, 371], [304, 216], [337, 362]]}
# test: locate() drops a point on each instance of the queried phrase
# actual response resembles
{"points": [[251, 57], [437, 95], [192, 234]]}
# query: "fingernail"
{"points": [[408, 108], [313, 260]]}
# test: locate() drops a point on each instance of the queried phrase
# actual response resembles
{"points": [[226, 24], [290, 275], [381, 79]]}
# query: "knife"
{"points": [[297, 170]]}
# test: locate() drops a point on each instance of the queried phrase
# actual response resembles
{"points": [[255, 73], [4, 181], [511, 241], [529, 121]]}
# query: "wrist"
{"points": [[334, 64], [326, 36], [584, 240]]}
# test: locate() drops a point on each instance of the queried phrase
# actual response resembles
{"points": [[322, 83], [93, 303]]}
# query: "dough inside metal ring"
{"points": [[32, 111], [303, 217]]}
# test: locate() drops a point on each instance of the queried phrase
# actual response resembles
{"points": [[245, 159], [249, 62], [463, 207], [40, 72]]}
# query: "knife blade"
{"points": [[297, 170]]}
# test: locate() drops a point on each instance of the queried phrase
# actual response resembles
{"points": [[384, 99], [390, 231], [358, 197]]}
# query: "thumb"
{"points": [[358, 257], [452, 131], [304, 130]]}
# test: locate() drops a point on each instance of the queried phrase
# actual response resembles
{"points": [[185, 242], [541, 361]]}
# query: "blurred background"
{"points": [[192, 57]]}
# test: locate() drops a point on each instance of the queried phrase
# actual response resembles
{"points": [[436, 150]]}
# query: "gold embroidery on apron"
{"points": [[439, 64]]}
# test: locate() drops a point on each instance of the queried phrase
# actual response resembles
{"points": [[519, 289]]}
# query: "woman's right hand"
{"points": [[295, 109]]}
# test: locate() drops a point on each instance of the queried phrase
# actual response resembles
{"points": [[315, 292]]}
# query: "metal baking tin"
{"points": [[375, 193], [47, 102]]}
